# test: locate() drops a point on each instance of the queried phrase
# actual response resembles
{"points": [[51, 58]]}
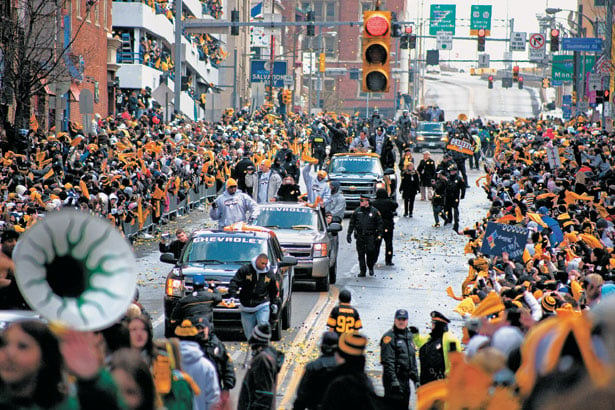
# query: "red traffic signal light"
{"points": [[481, 32], [481, 40], [490, 78], [376, 44], [490, 81], [408, 30], [607, 95], [554, 39]]}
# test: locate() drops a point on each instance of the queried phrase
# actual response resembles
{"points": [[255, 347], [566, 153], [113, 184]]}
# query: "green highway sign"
{"points": [[562, 68], [480, 18], [442, 18]]}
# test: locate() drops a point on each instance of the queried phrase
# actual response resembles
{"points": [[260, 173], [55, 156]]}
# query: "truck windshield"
{"points": [[224, 248], [431, 126], [286, 218], [356, 165]]}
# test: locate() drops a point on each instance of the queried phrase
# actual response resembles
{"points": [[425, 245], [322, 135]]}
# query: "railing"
{"points": [[175, 209]]}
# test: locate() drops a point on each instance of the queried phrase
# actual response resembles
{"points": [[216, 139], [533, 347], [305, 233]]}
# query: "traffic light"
{"points": [[376, 44], [203, 99], [321, 62], [234, 19], [574, 97], [607, 95], [554, 39], [490, 81], [516, 73], [481, 39], [310, 26], [404, 42], [395, 26], [599, 96], [412, 41], [286, 96], [546, 83], [520, 83]]}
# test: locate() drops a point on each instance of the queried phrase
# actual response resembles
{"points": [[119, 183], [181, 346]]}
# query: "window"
{"points": [[105, 17], [318, 11], [372, 96], [330, 11], [97, 13], [331, 46], [329, 85], [599, 3], [78, 9], [365, 7]]}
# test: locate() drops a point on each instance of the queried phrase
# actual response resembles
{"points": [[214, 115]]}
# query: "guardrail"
{"points": [[174, 209]]}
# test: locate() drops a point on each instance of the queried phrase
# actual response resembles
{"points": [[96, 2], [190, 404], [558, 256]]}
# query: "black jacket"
{"points": [[258, 389], [196, 306], [289, 193], [365, 222], [409, 185], [175, 247], [314, 382], [398, 358], [253, 288], [338, 139], [240, 171], [387, 208], [455, 189], [427, 171], [350, 389], [439, 192], [216, 352]]}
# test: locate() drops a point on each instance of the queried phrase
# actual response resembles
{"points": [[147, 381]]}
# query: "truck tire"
{"points": [[276, 334], [286, 314], [333, 274], [322, 284]]}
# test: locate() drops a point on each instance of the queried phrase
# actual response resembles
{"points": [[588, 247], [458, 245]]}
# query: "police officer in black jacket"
{"points": [[338, 136], [398, 358], [197, 306], [455, 191], [216, 352], [387, 208], [317, 375], [366, 223]]}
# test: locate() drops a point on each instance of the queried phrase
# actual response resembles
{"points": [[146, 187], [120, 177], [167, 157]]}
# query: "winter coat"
{"points": [[272, 186], [231, 208], [216, 352], [315, 187], [254, 288], [337, 206], [258, 389], [202, 372], [314, 382], [410, 184]]}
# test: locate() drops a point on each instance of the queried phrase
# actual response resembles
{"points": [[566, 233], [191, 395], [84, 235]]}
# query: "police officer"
{"points": [[398, 358], [455, 191], [319, 148], [366, 223], [404, 123], [214, 350], [387, 208]]}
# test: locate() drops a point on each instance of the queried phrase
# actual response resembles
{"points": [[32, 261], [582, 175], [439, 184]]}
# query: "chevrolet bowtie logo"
{"points": [[352, 188]]}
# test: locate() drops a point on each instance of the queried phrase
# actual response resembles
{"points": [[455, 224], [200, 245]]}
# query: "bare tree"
{"points": [[34, 54]]}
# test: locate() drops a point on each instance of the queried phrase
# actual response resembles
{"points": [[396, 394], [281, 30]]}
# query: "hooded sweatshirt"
{"points": [[256, 287], [202, 372], [231, 208]]}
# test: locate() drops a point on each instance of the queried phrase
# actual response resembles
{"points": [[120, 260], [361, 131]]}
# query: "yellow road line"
{"points": [[311, 335]]}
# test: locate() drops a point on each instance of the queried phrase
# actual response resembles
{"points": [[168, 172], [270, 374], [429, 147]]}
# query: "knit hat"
{"points": [[352, 344], [231, 182], [261, 335], [548, 302], [186, 330]]}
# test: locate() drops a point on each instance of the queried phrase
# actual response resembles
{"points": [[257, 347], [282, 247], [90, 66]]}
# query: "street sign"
{"points": [[444, 40], [442, 18], [518, 40], [537, 47], [583, 106], [507, 82], [86, 101], [259, 74], [483, 61], [288, 81], [562, 68], [582, 44], [594, 82], [480, 18], [567, 99]]}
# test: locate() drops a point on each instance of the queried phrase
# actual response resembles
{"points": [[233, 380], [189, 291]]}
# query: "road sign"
{"points": [[258, 73], [537, 47], [444, 40], [567, 99], [582, 44], [507, 82], [288, 81], [518, 40], [480, 18], [562, 68], [583, 106], [594, 82], [483, 61], [442, 18], [86, 101]]}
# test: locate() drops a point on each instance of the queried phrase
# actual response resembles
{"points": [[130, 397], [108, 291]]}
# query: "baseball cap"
{"points": [[401, 314]]}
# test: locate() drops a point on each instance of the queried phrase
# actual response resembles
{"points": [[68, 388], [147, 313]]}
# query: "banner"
{"points": [[465, 147], [504, 238]]}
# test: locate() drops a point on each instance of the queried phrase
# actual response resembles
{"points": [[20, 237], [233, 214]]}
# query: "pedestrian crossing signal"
{"points": [[546, 83]]}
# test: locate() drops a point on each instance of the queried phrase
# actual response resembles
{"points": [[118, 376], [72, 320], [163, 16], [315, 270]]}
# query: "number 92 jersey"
{"points": [[344, 318]]}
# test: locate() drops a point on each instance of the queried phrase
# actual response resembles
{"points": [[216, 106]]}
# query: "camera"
{"points": [[166, 236]]}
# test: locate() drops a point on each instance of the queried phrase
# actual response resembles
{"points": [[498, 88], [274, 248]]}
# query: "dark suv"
{"points": [[361, 173], [430, 135], [217, 255]]}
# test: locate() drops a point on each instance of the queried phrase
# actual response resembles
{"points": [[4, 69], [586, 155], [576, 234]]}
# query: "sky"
{"points": [[522, 11]]}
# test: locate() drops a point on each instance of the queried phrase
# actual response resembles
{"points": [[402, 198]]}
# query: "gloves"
{"points": [[414, 330], [214, 205], [349, 239], [274, 309]]}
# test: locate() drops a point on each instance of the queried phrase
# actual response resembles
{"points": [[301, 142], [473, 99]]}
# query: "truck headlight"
{"points": [[420, 138], [444, 139], [319, 250], [174, 287], [380, 185]]}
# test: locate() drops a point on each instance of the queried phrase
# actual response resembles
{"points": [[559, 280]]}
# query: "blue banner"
{"points": [[259, 74], [504, 238]]}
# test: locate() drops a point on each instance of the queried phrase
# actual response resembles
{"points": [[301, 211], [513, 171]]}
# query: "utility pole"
{"points": [[320, 50], [59, 47], [578, 81]]}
